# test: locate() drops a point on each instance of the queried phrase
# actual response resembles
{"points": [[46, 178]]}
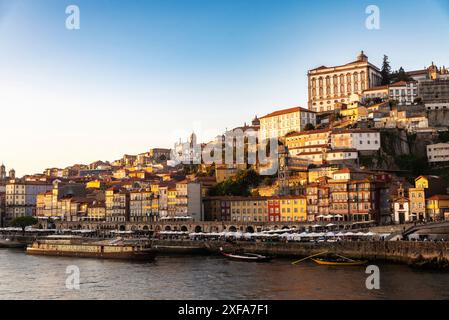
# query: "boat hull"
{"points": [[145, 255], [335, 263], [247, 259]]}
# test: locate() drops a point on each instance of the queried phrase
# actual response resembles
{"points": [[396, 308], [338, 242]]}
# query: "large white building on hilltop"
{"points": [[330, 86], [279, 123]]}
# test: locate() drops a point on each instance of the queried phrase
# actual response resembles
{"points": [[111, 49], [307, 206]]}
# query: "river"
{"points": [[208, 277]]}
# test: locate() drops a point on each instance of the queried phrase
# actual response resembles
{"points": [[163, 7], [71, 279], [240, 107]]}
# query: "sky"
{"points": [[143, 73]]}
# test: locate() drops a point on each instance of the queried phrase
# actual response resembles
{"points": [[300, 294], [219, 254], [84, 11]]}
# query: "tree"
{"points": [[386, 71], [23, 222], [401, 75]]}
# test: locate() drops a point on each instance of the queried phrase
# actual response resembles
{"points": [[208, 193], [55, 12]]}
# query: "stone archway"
{"points": [[133, 228], [232, 229], [122, 228], [198, 229], [184, 229], [167, 228], [249, 229], [145, 228]]}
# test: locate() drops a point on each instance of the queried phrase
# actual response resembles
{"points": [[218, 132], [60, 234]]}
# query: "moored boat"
{"points": [[248, 257], [85, 249], [337, 260]]}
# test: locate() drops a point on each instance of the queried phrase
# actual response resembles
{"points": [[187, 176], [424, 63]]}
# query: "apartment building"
{"points": [[20, 198], [117, 204], [251, 209], [425, 187], [405, 93], [143, 206], [438, 153], [279, 123], [357, 139]]}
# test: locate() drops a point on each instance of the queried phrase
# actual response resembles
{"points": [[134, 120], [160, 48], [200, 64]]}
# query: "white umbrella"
{"points": [[330, 234], [349, 233], [330, 225]]}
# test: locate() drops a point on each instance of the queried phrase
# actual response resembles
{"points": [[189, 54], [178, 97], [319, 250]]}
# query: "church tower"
{"points": [[2, 172]]}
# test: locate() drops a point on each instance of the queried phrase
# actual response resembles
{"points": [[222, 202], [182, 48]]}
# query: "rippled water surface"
{"points": [[213, 277]]}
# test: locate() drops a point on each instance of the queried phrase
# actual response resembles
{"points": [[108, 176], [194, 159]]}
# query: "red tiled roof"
{"points": [[285, 111], [376, 88], [401, 83]]}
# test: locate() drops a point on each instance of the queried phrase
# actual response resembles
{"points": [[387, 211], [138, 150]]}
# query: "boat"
{"points": [[337, 260], [76, 247], [248, 257], [11, 244]]}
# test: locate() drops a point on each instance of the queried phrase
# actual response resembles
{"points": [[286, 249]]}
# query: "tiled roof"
{"points": [[286, 111]]}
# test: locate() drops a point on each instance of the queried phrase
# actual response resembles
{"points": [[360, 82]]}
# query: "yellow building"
{"points": [[279, 123], [437, 207], [293, 209], [96, 212], [171, 201], [354, 113], [96, 184], [425, 187]]}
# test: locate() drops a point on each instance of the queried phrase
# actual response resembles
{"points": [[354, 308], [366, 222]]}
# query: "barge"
{"points": [[74, 247]]}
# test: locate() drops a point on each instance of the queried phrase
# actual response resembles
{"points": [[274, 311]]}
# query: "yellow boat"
{"points": [[339, 263]]}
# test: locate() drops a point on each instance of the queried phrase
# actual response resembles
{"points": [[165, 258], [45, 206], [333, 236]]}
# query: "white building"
{"points": [[360, 140], [21, 197], [404, 92], [438, 153], [380, 92], [401, 208], [279, 123], [330, 86]]}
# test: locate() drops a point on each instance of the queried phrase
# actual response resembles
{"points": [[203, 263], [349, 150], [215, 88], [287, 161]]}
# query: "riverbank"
{"points": [[434, 255]]}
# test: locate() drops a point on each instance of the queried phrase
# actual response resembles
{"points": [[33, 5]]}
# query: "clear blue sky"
{"points": [[141, 74]]}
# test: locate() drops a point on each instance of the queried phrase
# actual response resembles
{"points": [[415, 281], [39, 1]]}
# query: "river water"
{"points": [[207, 277]]}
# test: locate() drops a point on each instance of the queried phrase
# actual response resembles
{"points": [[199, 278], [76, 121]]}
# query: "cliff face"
{"points": [[438, 118], [396, 143]]}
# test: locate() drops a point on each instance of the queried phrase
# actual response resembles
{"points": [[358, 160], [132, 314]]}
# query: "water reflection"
{"points": [[37, 277]]}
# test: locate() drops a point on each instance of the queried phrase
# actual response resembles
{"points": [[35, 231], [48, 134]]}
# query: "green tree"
{"points": [[386, 71], [400, 75], [23, 222]]}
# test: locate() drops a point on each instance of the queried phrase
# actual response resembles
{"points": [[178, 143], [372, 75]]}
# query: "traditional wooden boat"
{"points": [[337, 260], [247, 257], [85, 249]]}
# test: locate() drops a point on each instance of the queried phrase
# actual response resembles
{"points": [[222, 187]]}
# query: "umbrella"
{"points": [[330, 225]]}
